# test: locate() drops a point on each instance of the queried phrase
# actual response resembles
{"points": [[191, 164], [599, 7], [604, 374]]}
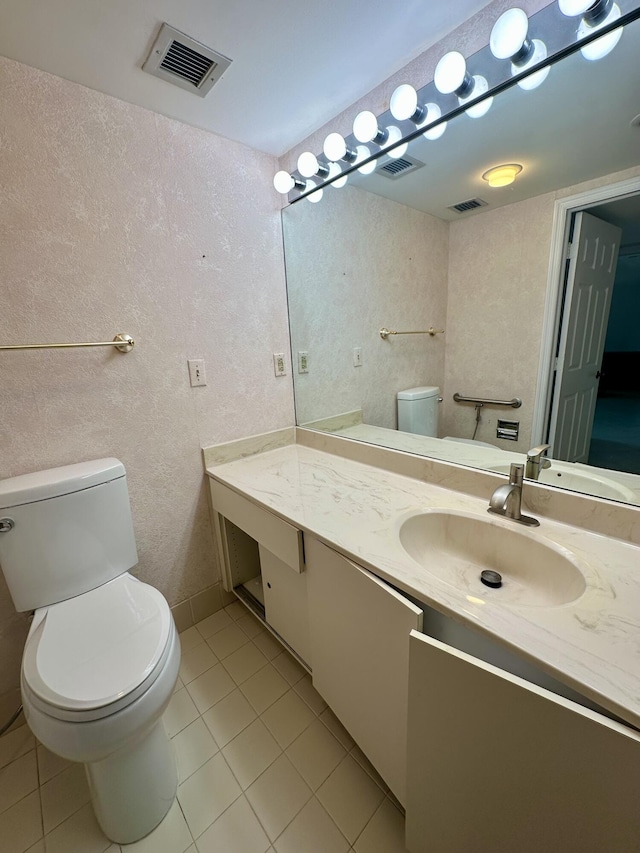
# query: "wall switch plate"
{"points": [[279, 365], [196, 372], [357, 356], [303, 362]]}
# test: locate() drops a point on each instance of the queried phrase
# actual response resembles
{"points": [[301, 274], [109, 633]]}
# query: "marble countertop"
{"points": [[591, 644]]}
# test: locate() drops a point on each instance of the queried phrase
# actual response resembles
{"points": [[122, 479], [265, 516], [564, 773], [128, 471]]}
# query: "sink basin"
{"points": [[456, 547], [579, 481]]}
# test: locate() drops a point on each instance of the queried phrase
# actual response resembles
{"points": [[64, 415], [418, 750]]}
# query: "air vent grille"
{"points": [[470, 204], [399, 167], [183, 61]]}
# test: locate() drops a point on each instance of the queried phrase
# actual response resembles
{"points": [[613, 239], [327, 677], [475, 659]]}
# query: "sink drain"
{"points": [[491, 578]]}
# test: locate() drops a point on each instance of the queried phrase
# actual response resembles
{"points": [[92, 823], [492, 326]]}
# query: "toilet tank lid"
{"points": [[41, 485], [419, 393]]}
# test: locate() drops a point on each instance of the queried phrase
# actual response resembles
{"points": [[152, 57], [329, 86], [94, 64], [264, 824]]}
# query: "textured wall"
{"points": [[357, 262], [115, 219]]}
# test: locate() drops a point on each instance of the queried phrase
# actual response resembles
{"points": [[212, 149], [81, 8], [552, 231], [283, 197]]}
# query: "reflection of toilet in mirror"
{"points": [[418, 414], [102, 656]]}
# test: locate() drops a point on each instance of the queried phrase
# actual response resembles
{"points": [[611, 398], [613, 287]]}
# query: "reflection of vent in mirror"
{"points": [[471, 204], [400, 167], [183, 61]]}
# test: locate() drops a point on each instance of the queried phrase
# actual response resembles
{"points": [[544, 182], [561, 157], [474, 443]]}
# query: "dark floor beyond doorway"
{"points": [[615, 440]]}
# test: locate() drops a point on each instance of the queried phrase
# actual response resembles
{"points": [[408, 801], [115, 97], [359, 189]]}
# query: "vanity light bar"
{"points": [[521, 52]]}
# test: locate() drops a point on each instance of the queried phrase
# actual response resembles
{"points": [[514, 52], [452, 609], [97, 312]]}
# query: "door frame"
{"points": [[562, 213]]}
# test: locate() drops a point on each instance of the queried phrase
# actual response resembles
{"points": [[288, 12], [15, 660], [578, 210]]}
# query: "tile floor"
{"points": [[264, 766]]}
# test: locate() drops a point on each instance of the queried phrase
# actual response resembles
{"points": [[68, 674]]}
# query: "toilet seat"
{"points": [[91, 655]]}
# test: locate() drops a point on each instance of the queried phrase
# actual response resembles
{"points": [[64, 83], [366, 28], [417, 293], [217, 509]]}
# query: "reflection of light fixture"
{"points": [[451, 77], [334, 171], [595, 16], [362, 153], [510, 40], [502, 176], [395, 135], [314, 197], [433, 113]]}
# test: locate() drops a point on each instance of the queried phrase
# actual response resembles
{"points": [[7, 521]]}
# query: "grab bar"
{"points": [[384, 333], [515, 403]]}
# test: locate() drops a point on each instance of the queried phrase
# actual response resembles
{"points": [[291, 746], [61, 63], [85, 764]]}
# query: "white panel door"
{"points": [[360, 656], [592, 271], [285, 603], [498, 765]]}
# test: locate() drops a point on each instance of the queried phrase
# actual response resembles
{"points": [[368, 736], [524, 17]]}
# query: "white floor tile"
{"points": [[278, 795], [227, 641], [190, 638], [170, 836], [39, 847], [312, 831], [63, 795], [264, 688], [80, 832], [180, 712], [315, 754], [289, 667], [287, 718], [210, 687], [178, 685], [268, 645], [16, 743], [18, 779], [212, 624], [351, 797], [49, 764], [250, 625], [235, 831], [193, 747], [236, 610], [307, 691], [244, 663], [21, 825], [251, 752], [207, 794], [196, 661], [229, 717], [384, 833]]}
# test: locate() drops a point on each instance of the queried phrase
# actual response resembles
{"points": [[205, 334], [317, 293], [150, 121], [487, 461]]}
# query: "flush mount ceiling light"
{"points": [[510, 40], [595, 16], [502, 176]]}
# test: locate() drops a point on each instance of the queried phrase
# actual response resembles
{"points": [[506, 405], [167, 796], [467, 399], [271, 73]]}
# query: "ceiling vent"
{"points": [[400, 167], [185, 62], [464, 206]]}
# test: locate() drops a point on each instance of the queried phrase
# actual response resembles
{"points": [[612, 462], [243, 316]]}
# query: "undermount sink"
{"points": [[579, 481], [456, 547]]}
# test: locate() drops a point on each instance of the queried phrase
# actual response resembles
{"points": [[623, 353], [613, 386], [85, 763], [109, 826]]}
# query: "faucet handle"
{"points": [[536, 452], [516, 474]]}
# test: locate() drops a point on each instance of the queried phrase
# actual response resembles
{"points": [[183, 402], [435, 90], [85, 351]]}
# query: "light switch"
{"points": [[196, 372], [357, 356]]}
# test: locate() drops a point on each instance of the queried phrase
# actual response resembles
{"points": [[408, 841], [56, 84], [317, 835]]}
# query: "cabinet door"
{"points": [[498, 764], [360, 652], [285, 603]]}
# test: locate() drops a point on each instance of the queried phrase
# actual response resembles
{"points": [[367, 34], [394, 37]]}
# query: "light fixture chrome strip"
{"points": [[531, 47]]}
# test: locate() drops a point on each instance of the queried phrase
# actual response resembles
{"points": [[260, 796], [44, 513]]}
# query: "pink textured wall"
{"points": [[115, 219]]}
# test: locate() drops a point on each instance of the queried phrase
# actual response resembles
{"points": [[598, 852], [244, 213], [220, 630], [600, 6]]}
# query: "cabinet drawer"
{"points": [[276, 535]]}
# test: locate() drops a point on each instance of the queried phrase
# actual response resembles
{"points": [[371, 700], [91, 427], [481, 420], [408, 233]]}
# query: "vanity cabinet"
{"points": [[360, 631], [498, 764]]}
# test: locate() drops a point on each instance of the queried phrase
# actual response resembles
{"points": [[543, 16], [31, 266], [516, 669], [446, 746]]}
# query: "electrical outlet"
{"points": [[357, 356], [279, 365], [303, 362], [196, 372]]}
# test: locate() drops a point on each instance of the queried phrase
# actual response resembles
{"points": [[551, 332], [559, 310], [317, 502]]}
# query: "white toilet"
{"points": [[102, 655], [418, 414]]}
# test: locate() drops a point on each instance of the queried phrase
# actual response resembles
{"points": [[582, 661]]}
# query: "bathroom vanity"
{"points": [[502, 719]]}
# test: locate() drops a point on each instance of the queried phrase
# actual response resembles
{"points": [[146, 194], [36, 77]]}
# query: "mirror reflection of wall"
{"points": [[383, 253]]}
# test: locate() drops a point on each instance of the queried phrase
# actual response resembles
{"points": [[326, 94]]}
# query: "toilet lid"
{"points": [[99, 647]]}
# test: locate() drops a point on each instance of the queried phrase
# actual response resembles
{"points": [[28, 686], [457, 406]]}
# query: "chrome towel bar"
{"points": [[384, 333], [123, 343], [515, 403]]}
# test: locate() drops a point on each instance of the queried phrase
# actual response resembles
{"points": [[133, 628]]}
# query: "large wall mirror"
{"points": [[530, 290]]}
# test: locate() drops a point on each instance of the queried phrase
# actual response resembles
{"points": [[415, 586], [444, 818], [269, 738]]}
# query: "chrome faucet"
{"points": [[536, 462], [507, 500]]}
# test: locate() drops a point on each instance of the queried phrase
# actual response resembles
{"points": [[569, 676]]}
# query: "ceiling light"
{"points": [[451, 76], [284, 182], [335, 148], [502, 176], [510, 40], [365, 128], [309, 165], [595, 16], [404, 104]]}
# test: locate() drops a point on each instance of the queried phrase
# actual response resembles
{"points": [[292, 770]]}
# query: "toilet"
{"points": [[418, 413], [102, 655]]}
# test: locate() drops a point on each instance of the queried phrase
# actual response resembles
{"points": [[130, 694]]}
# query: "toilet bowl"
{"points": [[102, 655]]}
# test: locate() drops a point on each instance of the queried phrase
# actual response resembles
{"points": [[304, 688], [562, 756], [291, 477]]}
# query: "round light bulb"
{"points": [[334, 171], [365, 126], [502, 176], [334, 147], [308, 164], [533, 80], [450, 72], [480, 86], [509, 33], [315, 196], [392, 148], [283, 182], [433, 114], [363, 152], [571, 8], [404, 102], [605, 44]]}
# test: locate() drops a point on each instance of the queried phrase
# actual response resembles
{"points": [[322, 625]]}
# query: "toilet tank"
{"points": [[418, 410], [65, 531]]}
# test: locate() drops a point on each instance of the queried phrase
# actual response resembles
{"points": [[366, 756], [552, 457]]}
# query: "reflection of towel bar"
{"points": [[515, 403], [123, 343], [384, 333]]}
